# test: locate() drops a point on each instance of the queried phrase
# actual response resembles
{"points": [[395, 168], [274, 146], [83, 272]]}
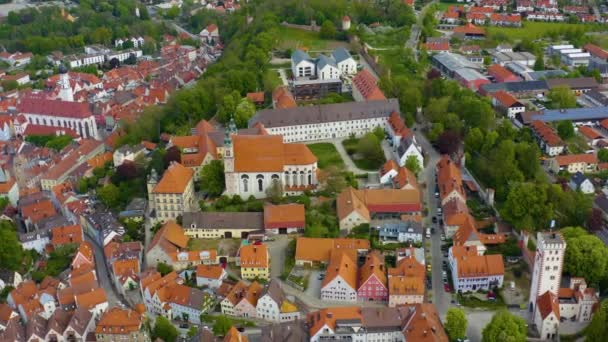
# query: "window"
{"points": [[245, 179]]}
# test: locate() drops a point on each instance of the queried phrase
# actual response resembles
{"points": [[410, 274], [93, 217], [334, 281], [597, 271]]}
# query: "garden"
{"points": [[326, 154], [366, 152]]}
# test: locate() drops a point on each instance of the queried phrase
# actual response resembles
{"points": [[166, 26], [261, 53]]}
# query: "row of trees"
{"points": [[46, 29]]}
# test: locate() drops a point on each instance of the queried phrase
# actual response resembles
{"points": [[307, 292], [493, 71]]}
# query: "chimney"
{"points": [[330, 315]]}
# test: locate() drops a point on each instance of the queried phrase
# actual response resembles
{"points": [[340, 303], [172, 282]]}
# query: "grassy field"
{"points": [[300, 39], [203, 244], [535, 30], [327, 155], [391, 39]]}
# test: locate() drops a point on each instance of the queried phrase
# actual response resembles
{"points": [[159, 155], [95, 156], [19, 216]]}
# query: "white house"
{"points": [[5, 128], [210, 275], [546, 315], [9, 188], [211, 33], [127, 152], [273, 305], [344, 61], [9, 278], [474, 272], [188, 303], [302, 65], [37, 240], [327, 68], [582, 183], [340, 283], [408, 148]]}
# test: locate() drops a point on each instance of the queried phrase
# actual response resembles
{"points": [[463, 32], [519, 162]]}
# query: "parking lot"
{"points": [[314, 283]]}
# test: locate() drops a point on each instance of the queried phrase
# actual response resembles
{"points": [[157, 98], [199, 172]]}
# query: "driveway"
{"points": [[277, 249], [314, 284]]}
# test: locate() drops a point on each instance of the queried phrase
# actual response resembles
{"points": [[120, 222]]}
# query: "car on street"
{"points": [[439, 210], [434, 219], [429, 267], [432, 230], [442, 237], [446, 287]]}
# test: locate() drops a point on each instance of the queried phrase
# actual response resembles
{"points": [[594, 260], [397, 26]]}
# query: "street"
{"points": [[103, 275]]}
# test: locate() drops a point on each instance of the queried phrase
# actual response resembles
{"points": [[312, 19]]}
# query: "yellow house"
{"points": [[255, 262]]}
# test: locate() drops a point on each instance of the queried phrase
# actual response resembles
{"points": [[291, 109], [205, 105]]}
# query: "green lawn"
{"points": [[350, 145], [300, 39], [391, 39], [203, 244], [327, 155], [535, 30], [577, 144]]}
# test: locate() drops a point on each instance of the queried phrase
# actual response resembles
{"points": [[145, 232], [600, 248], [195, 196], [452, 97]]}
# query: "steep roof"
{"points": [[548, 303], [170, 237], [254, 256], [56, 108], [67, 234], [342, 263], [268, 153], [568, 159], [480, 265], [373, 266], [209, 271], [367, 85], [175, 179], [328, 317], [119, 321], [377, 200], [406, 286]]}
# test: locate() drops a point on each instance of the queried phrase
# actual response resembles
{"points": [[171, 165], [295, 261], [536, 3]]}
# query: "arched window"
{"points": [[260, 179], [309, 179], [286, 178], [302, 178], [245, 179], [294, 177]]}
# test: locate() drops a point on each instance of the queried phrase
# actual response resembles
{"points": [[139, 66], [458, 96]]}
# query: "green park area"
{"points": [[326, 154], [292, 38], [536, 30]]}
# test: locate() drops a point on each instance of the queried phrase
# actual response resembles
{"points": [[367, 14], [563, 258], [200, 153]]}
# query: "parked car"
{"points": [[442, 237], [429, 267], [434, 219]]}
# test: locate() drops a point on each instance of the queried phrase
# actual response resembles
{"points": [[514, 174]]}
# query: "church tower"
{"points": [[548, 265], [230, 176], [151, 184], [65, 89]]}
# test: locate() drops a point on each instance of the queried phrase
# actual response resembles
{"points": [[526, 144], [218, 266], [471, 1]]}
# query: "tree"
{"points": [[597, 330], [9, 85], [602, 155], [126, 171], [172, 154], [595, 220], [370, 149], [527, 207], [243, 112], [332, 179], [565, 129], [109, 195], [212, 178], [172, 12], [586, 255], [562, 97], [163, 268], [505, 327], [164, 329], [412, 164], [456, 324], [275, 191], [222, 325], [449, 142], [328, 30], [539, 64], [11, 252]]}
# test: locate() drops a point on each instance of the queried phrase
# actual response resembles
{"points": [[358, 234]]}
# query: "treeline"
{"points": [[46, 29]]}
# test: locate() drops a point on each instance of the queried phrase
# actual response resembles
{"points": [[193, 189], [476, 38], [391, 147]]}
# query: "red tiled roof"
{"points": [[500, 73], [506, 99], [589, 132], [367, 85], [438, 46], [548, 303], [470, 29], [576, 158], [54, 108]]}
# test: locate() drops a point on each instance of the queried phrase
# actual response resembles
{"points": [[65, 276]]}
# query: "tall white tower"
{"points": [[65, 90], [548, 265]]}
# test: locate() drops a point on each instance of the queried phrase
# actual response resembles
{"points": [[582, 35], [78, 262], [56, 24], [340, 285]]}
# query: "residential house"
{"points": [[274, 306], [188, 303], [9, 278], [210, 34], [65, 235], [126, 274], [546, 315], [211, 276], [507, 104], [400, 231], [121, 324], [81, 324], [406, 282], [340, 283], [128, 153], [572, 163], [254, 261], [173, 194], [549, 141], [75, 158], [449, 181], [591, 135], [169, 239], [503, 19], [372, 281], [241, 300], [397, 130], [578, 181], [501, 74], [474, 272], [356, 207], [408, 148], [317, 251]]}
